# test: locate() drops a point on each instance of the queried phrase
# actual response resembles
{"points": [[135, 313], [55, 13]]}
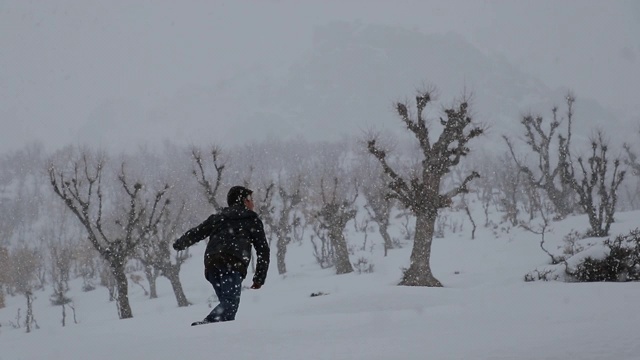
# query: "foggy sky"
{"points": [[64, 64]]}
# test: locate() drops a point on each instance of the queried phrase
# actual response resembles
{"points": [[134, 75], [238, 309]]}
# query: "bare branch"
{"points": [[210, 191], [398, 186]]}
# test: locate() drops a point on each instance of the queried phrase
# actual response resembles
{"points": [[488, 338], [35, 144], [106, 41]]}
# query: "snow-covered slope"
{"points": [[485, 311]]}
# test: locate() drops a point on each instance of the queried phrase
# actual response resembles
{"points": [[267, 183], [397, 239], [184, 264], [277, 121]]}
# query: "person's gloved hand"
{"points": [[256, 285], [177, 245]]}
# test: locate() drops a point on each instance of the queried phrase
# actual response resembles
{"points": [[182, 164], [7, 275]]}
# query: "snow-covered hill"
{"points": [[485, 311], [346, 84]]}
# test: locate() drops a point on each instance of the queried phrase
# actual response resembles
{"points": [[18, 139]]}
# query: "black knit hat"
{"points": [[237, 194]]}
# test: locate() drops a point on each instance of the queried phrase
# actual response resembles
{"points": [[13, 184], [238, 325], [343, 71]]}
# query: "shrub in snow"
{"points": [[544, 275], [622, 263], [88, 286], [572, 245], [608, 260], [59, 298], [363, 265]]}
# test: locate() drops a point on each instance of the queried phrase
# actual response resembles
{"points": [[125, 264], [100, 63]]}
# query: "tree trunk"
{"points": [[388, 244], [153, 293], [64, 315], [174, 278], [29, 317], [150, 273], [594, 222], [419, 272], [281, 252], [124, 309], [343, 264], [283, 233], [559, 199]]}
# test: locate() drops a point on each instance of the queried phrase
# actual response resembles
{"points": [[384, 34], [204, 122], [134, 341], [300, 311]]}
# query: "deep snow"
{"points": [[485, 311]]}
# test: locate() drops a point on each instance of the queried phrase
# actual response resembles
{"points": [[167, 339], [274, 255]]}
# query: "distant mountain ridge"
{"points": [[350, 79], [347, 84]]}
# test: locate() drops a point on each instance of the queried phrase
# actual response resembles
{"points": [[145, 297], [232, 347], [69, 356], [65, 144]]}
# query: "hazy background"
{"points": [[121, 73]]}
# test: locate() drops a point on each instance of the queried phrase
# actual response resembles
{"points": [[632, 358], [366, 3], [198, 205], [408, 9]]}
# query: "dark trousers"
{"points": [[227, 284]]}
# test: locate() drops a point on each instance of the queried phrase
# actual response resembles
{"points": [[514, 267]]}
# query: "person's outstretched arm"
{"points": [[262, 251], [196, 234]]}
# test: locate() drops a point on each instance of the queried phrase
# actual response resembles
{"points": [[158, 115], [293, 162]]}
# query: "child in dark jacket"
{"points": [[231, 233]]}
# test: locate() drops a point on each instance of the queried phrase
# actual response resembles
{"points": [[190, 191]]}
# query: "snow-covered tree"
{"points": [[595, 185], [421, 193], [546, 174], [80, 185]]}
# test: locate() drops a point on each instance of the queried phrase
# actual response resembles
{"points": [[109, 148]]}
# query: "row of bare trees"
{"points": [[117, 228], [130, 210], [586, 184]]}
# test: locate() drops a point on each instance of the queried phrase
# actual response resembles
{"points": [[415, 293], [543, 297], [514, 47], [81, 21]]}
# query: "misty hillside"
{"points": [[354, 74], [346, 85], [197, 74]]}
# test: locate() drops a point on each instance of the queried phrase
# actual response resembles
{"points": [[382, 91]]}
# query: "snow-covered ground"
{"points": [[485, 311]]}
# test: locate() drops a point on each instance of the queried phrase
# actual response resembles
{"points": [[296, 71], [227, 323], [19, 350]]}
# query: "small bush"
{"points": [[363, 266], [545, 275], [59, 299], [571, 243], [621, 264]]}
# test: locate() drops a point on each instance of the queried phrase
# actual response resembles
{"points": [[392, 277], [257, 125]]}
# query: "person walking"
{"points": [[232, 233]]}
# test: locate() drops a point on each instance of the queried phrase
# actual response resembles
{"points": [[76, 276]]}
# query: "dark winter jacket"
{"points": [[231, 233]]}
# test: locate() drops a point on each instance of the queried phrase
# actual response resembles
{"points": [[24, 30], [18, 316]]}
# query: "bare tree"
{"points": [[290, 197], [145, 230], [279, 218], [86, 260], [81, 190], [597, 191], [486, 187], [323, 250], [5, 271], [24, 264], [22, 200], [201, 175], [549, 171], [155, 254], [379, 205], [60, 245], [465, 205], [277, 197], [331, 220], [542, 230], [8, 222], [508, 179], [60, 268], [265, 207], [421, 194], [631, 160], [6, 230], [61, 255]]}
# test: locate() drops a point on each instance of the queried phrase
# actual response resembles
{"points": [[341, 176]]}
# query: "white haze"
{"points": [[122, 73]]}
